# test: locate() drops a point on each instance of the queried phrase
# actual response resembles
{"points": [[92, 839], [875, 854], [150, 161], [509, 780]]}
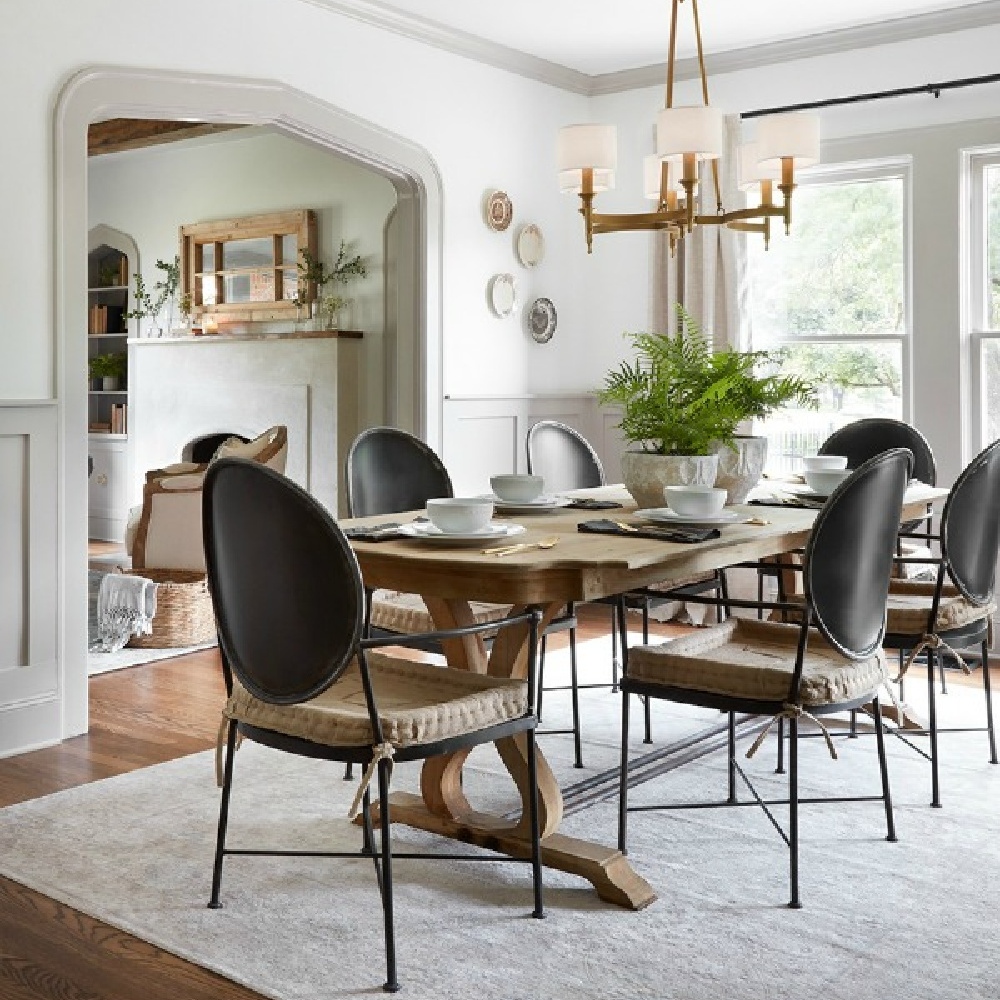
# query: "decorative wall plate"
{"points": [[499, 211], [542, 320], [530, 245], [502, 294]]}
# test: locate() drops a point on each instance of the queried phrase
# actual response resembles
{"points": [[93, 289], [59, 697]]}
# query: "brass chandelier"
{"points": [[685, 136]]}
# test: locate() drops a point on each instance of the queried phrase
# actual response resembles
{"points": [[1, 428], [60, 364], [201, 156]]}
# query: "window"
{"points": [[833, 299], [982, 283], [246, 269]]}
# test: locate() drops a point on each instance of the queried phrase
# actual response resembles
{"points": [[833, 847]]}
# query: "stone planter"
{"points": [[109, 383], [740, 469], [647, 475]]}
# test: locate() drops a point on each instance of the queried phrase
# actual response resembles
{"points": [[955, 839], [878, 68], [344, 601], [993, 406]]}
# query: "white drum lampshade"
{"points": [[571, 181], [749, 170], [651, 174], [582, 146], [794, 135], [697, 130]]}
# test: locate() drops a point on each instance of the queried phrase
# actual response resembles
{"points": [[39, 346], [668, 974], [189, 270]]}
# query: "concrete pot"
{"points": [[647, 475], [740, 468]]}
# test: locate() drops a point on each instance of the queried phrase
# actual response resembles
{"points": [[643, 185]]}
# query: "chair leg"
{"points": [[391, 984], [646, 707], [902, 679], [541, 677], [795, 902], [780, 767], [574, 690], [623, 782], [536, 848], [853, 732], [884, 769], [723, 594], [614, 648], [989, 704], [944, 682], [349, 772], [932, 730], [220, 841], [732, 759]]}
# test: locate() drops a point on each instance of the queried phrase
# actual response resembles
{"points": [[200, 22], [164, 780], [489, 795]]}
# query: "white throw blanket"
{"points": [[125, 607]]}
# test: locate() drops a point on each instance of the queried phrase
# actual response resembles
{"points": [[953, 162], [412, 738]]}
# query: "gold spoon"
{"points": [[544, 543]]}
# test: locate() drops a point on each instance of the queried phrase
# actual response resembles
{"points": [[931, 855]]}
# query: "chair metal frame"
{"points": [[231, 487], [589, 473], [853, 631], [968, 531]]}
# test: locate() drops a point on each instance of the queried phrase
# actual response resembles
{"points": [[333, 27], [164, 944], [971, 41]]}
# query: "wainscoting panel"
{"points": [[29, 688], [484, 435]]}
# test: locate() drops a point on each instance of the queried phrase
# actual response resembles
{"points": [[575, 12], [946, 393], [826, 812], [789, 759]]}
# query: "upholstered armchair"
{"points": [[165, 532]]}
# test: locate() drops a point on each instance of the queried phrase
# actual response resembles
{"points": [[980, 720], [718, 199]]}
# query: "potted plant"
{"points": [[109, 368], [314, 274], [682, 403]]}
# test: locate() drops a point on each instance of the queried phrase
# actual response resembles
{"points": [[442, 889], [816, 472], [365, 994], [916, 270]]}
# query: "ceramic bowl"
{"points": [[695, 501], [460, 515], [821, 463], [825, 481], [517, 488]]}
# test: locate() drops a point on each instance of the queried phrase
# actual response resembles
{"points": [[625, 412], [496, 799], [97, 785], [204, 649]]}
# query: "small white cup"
{"points": [[460, 515], [516, 488], [821, 463], [825, 481], [695, 501]]}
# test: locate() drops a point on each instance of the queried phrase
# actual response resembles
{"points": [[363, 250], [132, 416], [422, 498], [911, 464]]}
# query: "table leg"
{"points": [[443, 808]]}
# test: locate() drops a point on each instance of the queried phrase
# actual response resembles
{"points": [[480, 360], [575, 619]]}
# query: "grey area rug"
{"points": [[909, 920]]}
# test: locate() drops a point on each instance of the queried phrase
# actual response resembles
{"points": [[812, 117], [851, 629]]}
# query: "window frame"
{"points": [[860, 171]]}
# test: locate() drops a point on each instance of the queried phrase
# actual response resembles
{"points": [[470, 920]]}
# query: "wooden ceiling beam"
{"points": [[119, 134]]}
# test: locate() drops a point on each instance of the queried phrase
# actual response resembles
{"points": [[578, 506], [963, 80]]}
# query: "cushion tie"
{"points": [[930, 640], [381, 751], [220, 742], [789, 711]]}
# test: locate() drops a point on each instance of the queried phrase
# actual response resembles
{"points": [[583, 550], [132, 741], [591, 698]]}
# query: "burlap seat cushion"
{"points": [[418, 703], [909, 606], [743, 658], [407, 614], [684, 581]]}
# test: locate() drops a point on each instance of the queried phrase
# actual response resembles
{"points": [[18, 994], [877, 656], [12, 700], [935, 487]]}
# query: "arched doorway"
{"points": [[96, 94]]}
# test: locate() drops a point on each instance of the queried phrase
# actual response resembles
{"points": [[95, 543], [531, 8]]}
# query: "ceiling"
{"points": [[614, 35]]}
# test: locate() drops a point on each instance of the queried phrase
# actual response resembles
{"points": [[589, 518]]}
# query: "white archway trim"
{"points": [[104, 92]]}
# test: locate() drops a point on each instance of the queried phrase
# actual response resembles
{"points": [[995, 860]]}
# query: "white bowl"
{"points": [[517, 488], [695, 501], [825, 481], [821, 463], [460, 515]]}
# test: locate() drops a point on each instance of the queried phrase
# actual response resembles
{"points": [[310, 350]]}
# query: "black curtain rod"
{"points": [[879, 95]]}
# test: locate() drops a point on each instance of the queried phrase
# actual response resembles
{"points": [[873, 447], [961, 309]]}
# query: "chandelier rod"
{"points": [[877, 95]]}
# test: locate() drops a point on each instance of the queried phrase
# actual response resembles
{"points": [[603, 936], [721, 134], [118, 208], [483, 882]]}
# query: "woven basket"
{"points": [[184, 614]]}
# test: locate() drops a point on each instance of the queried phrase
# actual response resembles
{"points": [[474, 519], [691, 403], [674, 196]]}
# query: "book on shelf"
{"points": [[98, 427], [119, 418], [123, 270]]}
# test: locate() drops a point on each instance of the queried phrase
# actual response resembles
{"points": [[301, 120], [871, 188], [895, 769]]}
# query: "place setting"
{"points": [[517, 493], [821, 475]]}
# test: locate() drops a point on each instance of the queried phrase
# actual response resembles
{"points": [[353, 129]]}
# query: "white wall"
{"points": [[149, 193]]}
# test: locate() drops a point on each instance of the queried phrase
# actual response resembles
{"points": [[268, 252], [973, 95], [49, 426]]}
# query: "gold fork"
{"points": [[544, 543]]}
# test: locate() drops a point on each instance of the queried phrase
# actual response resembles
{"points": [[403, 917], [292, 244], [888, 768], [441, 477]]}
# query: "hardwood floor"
{"points": [[139, 717]]}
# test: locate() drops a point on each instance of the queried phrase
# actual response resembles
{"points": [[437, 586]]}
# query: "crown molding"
{"points": [[900, 29], [460, 43]]}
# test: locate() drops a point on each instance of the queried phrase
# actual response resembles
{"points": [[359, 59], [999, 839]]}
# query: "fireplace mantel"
{"points": [[183, 387]]}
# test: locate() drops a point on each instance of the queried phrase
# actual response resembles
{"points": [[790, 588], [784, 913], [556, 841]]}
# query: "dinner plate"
{"points": [[664, 515], [530, 245], [498, 210], [541, 319], [502, 294], [493, 532], [540, 505]]}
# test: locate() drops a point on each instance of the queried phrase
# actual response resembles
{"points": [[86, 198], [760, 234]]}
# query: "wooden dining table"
{"points": [[579, 567]]}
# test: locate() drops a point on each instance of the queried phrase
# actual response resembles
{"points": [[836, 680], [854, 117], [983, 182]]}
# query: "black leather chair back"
{"points": [[286, 586], [970, 527], [388, 471], [867, 438], [203, 449], [848, 558], [563, 457]]}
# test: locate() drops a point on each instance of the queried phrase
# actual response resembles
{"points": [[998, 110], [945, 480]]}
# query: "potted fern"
{"points": [[682, 403]]}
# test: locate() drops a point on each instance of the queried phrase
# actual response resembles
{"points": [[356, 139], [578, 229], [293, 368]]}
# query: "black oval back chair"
{"points": [[759, 667], [290, 605]]}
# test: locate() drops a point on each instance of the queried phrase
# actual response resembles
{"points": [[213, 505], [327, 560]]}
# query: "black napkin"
{"points": [[586, 503], [605, 527], [776, 502], [374, 532]]}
